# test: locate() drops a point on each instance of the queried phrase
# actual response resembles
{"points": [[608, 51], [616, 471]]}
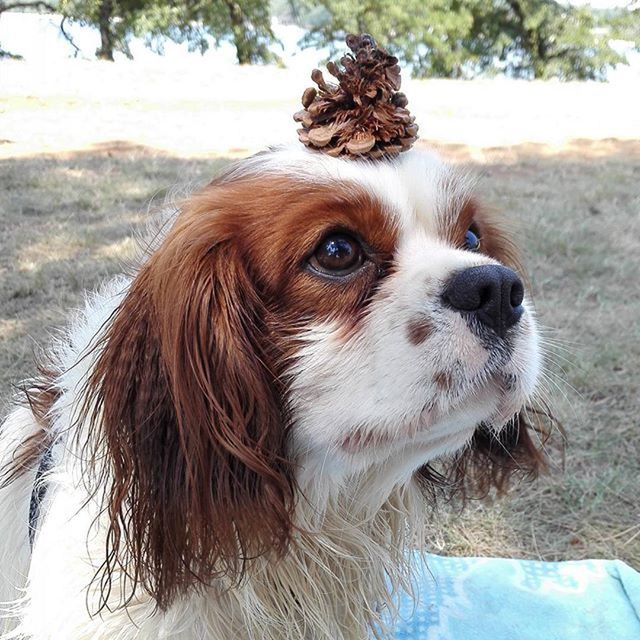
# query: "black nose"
{"points": [[491, 293]]}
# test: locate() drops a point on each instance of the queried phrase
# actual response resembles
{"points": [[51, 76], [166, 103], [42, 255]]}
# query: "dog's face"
{"points": [[414, 330], [305, 320], [401, 326]]}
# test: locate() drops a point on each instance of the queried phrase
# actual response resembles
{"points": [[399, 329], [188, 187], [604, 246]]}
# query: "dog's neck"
{"points": [[340, 579]]}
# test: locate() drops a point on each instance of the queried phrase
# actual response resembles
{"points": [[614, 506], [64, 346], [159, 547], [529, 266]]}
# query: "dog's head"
{"points": [[306, 320]]}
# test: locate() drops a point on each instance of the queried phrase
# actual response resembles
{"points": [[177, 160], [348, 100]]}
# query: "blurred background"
{"points": [[107, 105]]}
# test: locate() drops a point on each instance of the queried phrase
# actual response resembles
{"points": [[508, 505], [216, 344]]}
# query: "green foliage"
{"points": [[554, 40], [436, 38], [115, 19], [428, 34], [462, 38], [623, 24], [245, 23]]}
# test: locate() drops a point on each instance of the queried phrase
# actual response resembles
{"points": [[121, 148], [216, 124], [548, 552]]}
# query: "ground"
{"points": [[77, 176]]}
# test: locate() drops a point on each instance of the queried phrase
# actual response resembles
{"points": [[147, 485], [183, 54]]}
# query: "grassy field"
{"points": [[66, 223]]}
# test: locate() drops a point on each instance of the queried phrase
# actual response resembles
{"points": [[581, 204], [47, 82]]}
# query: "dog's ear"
{"points": [[185, 410], [494, 460]]}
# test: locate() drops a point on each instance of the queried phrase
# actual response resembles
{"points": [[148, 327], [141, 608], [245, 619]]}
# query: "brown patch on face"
{"points": [[418, 330], [281, 252], [443, 380], [276, 223]]}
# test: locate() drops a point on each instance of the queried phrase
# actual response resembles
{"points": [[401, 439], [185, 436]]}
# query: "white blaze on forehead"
{"points": [[416, 188], [431, 259], [435, 190]]}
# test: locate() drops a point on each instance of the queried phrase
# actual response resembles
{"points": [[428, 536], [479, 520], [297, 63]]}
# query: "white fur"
{"points": [[362, 509]]}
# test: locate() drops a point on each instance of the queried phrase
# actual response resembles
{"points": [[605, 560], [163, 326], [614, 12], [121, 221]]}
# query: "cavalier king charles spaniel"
{"points": [[241, 439]]}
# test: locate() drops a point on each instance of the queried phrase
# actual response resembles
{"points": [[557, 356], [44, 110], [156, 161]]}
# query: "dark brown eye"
{"points": [[337, 254]]}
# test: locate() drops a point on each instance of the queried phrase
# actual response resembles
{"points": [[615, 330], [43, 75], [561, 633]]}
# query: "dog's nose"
{"points": [[491, 293]]}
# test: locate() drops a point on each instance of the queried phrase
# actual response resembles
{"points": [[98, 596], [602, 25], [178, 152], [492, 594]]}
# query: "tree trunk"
{"points": [[243, 51], [538, 69], [105, 17], [531, 41], [240, 41]]}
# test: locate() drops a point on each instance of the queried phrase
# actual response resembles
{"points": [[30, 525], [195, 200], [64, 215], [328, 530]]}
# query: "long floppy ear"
{"points": [[186, 411], [492, 461], [495, 460]]}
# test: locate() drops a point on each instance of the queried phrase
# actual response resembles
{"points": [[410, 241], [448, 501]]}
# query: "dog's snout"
{"points": [[492, 293]]}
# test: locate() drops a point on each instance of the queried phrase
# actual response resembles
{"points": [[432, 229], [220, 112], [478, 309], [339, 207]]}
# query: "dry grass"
{"points": [[67, 219], [66, 225]]}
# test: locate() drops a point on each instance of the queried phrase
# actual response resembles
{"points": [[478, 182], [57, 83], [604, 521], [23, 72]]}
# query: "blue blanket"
{"points": [[499, 599]]}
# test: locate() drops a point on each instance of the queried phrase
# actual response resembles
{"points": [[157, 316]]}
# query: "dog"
{"points": [[242, 438]]}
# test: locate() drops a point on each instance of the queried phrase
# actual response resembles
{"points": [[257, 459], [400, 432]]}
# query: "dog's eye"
{"points": [[472, 239], [337, 254]]}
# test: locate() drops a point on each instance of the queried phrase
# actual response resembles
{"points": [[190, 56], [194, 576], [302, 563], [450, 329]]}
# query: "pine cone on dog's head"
{"points": [[365, 114]]}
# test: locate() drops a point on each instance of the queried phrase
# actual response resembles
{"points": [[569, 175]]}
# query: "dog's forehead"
{"points": [[417, 189]]}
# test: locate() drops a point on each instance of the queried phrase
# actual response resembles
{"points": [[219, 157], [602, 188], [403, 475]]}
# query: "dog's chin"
{"points": [[509, 396], [436, 431]]}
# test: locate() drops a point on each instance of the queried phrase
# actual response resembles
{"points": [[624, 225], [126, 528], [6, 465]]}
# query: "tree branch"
{"points": [[27, 4], [560, 53], [68, 38]]}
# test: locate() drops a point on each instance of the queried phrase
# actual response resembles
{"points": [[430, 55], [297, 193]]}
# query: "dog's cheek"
{"points": [[319, 376], [372, 381]]}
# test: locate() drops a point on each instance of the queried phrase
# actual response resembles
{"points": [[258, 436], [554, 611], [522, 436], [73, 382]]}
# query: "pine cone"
{"points": [[365, 114]]}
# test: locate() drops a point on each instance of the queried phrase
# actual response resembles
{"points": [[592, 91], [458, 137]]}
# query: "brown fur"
{"points": [[418, 330], [40, 395], [186, 395], [444, 381], [185, 404], [493, 461]]}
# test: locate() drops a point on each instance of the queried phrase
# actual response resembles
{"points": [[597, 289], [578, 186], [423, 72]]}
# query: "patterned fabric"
{"points": [[500, 599]]}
